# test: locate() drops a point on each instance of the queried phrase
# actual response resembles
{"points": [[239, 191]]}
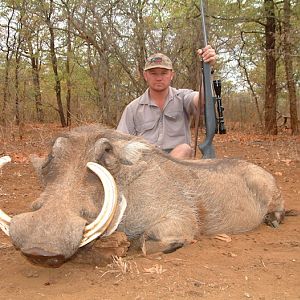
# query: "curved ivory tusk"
{"points": [[4, 160], [112, 225], [99, 225], [4, 222], [4, 218], [117, 217]]}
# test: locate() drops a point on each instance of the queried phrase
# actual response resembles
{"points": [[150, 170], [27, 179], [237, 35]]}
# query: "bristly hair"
{"points": [[134, 150]]}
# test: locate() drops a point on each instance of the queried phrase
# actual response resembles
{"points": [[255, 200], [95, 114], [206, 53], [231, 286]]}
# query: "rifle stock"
{"points": [[207, 148]]}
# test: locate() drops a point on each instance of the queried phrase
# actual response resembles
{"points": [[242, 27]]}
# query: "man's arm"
{"points": [[126, 124]]}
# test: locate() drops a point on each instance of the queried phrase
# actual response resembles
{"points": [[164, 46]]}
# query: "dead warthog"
{"points": [[164, 202]]}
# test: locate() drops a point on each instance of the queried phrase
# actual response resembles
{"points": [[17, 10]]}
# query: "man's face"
{"points": [[158, 79]]}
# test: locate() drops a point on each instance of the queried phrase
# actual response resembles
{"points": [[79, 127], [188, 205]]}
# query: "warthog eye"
{"points": [[107, 150], [47, 162]]}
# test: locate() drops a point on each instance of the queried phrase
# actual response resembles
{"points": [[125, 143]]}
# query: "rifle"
{"points": [[206, 147]]}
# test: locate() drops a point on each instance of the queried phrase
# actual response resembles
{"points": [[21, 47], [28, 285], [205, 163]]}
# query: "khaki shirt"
{"points": [[165, 128]]}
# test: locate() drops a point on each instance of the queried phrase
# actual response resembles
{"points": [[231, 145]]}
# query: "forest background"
{"points": [[82, 61]]}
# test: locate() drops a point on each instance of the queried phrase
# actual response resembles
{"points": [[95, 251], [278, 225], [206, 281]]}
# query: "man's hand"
{"points": [[208, 54]]}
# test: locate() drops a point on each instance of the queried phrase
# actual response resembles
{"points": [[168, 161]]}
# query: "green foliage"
{"points": [[110, 40]]}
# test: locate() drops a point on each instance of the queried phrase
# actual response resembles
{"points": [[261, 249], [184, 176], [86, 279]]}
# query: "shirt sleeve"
{"points": [[126, 124], [188, 101]]}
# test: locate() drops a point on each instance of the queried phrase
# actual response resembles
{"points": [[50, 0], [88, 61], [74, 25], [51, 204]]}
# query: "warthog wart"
{"points": [[164, 202]]}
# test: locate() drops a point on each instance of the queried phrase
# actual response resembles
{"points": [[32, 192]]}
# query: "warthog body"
{"points": [[170, 202]]}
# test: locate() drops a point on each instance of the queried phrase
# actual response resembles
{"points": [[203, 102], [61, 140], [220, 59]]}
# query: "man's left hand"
{"points": [[208, 54]]}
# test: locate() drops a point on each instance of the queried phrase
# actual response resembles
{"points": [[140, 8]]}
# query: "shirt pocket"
{"points": [[148, 130], [175, 123]]}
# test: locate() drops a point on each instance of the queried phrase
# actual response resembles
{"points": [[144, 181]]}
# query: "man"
{"points": [[162, 114]]}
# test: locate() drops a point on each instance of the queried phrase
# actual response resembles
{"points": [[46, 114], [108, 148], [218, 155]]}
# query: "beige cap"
{"points": [[158, 60]]}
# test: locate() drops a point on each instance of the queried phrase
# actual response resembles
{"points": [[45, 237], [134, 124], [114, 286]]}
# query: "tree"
{"points": [[270, 91], [94, 52], [9, 51], [68, 68], [48, 12], [288, 64], [32, 31]]}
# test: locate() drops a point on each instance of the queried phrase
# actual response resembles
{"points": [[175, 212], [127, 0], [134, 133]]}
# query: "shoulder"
{"points": [[185, 92], [182, 94], [143, 99], [132, 106]]}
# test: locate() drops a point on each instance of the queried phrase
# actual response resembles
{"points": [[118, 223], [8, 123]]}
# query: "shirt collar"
{"points": [[145, 99]]}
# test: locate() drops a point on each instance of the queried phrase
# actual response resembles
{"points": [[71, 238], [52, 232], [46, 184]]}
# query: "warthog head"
{"points": [[70, 212], [92, 175]]}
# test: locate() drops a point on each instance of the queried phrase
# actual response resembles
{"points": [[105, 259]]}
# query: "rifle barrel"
{"points": [[203, 23]]}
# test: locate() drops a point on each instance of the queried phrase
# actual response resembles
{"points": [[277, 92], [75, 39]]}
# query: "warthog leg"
{"points": [[4, 218], [152, 246], [274, 218], [170, 233]]}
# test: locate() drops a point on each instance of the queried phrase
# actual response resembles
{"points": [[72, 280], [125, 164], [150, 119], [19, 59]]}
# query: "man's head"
{"points": [[158, 72]]}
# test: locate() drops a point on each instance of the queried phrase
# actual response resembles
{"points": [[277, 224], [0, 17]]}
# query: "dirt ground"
{"points": [[263, 264]]}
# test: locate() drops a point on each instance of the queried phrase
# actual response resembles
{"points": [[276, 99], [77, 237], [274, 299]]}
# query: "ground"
{"points": [[263, 264]]}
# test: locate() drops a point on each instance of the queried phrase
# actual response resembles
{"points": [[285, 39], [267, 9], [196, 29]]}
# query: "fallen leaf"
{"points": [[223, 237], [4, 246], [287, 161], [157, 269]]}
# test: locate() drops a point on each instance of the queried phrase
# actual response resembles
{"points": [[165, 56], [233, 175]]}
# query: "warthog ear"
{"points": [[133, 151], [102, 146], [112, 154], [59, 144], [37, 163], [106, 156]]}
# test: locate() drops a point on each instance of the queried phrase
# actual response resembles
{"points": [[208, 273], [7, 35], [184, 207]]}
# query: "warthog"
{"points": [[164, 202]]}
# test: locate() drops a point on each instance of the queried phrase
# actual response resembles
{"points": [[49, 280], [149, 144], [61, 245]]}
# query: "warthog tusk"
{"points": [[117, 217], [4, 222], [4, 160], [4, 218], [100, 224]]}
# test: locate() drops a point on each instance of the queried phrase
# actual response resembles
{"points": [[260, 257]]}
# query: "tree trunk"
{"points": [[36, 85], [34, 59], [248, 79], [55, 67], [17, 69], [8, 58], [270, 89], [140, 45], [5, 90], [69, 49], [288, 64], [17, 97]]}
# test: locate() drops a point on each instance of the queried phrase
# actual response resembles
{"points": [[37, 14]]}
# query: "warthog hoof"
{"points": [[42, 257], [274, 218]]}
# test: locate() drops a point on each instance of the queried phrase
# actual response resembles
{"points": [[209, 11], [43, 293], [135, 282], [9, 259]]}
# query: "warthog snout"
{"points": [[44, 241], [44, 258]]}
